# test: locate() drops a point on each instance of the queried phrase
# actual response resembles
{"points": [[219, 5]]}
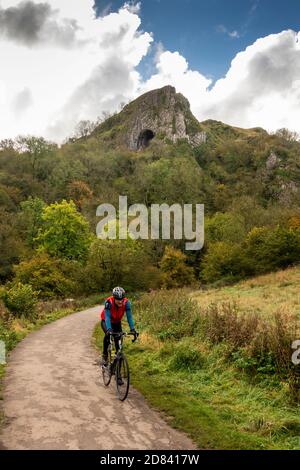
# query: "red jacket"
{"points": [[117, 313]]}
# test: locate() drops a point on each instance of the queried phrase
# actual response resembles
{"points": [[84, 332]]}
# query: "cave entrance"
{"points": [[145, 138]]}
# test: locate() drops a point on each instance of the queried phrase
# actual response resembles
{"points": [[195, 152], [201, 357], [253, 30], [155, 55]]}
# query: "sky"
{"points": [[63, 61]]}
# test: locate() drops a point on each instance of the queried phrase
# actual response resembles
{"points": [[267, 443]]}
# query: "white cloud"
{"points": [[68, 84], [172, 69], [261, 88], [232, 34], [46, 87]]}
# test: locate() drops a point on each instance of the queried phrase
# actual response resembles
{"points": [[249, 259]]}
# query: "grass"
{"points": [[216, 405], [264, 294], [191, 376]]}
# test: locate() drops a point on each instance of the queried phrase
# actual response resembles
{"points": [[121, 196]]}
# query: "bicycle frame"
{"points": [[114, 365]]}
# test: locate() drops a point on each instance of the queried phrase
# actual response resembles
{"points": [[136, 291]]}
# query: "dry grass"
{"points": [[265, 294]]}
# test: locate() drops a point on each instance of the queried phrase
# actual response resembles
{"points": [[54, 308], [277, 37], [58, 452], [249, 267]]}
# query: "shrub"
{"points": [[7, 335], [176, 273], [223, 261], [225, 227], [46, 276], [20, 300], [222, 322], [257, 345], [268, 249]]}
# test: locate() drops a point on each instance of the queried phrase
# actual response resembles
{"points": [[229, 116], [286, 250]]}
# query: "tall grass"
{"points": [[259, 345]]}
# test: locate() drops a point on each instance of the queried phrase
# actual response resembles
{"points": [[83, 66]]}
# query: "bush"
{"points": [[224, 261], [7, 335], [46, 276], [176, 273], [225, 227], [20, 300], [222, 322], [268, 249]]}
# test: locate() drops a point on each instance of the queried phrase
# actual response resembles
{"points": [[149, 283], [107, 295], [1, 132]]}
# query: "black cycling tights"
{"points": [[117, 328]]}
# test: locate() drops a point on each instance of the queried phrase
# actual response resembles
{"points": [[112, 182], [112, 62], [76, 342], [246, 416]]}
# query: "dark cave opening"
{"points": [[145, 138]]}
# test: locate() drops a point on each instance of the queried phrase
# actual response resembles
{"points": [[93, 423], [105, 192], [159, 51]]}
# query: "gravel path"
{"points": [[54, 397]]}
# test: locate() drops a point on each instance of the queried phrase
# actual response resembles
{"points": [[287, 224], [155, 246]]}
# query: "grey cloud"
{"points": [[22, 102], [115, 38], [109, 85], [33, 24]]}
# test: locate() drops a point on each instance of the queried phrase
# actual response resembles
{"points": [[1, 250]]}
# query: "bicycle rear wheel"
{"points": [[106, 370], [122, 377]]}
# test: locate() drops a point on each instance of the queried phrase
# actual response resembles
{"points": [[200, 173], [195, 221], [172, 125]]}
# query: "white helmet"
{"points": [[118, 293]]}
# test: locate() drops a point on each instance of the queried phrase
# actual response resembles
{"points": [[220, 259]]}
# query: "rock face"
{"points": [[162, 113], [272, 161]]}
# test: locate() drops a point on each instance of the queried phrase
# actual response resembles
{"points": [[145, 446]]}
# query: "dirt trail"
{"points": [[54, 397]]}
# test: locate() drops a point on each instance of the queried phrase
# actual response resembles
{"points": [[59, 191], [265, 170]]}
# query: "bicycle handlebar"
{"points": [[125, 334]]}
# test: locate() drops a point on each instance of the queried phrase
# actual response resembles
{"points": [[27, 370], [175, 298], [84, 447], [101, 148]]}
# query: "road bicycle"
{"points": [[118, 365]]}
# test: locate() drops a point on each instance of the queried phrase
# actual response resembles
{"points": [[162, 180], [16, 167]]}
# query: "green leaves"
{"points": [[20, 300], [65, 232]]}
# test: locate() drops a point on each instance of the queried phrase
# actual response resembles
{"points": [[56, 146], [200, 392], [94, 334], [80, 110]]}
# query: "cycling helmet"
{"points": [[118, 293]]}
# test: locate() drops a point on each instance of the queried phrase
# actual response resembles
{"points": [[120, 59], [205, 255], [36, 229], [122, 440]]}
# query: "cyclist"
{"points": [[114, 309]]}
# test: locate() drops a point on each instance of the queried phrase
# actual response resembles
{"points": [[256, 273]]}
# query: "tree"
{"points": [[31, 218], [268, 249], [226, 227], [84, 129], [288, 135], [11, 245], [65, 232], [36, 149], [176, 273], [119, 262], [80, 192], [223, 260]]}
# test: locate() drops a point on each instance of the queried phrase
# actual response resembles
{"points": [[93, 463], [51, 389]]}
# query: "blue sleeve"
{"points": [[107, 315], [129, 315]]}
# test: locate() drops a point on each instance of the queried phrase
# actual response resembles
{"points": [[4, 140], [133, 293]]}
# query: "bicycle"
{"points": [[117, 366]]}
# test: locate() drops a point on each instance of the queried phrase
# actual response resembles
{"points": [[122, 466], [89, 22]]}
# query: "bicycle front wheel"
{"points": [[122, 377]]}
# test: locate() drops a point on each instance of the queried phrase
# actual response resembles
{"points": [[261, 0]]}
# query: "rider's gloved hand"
{"points": [[109, 331], [135, 333]]}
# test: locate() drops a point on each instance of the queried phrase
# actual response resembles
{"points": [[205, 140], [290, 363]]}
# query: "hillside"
{"points": [[155, 151], [265, 294], [164, 115]]}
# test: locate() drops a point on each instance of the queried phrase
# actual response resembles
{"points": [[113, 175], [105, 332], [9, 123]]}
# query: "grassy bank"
{"points": [[217, 362]]}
